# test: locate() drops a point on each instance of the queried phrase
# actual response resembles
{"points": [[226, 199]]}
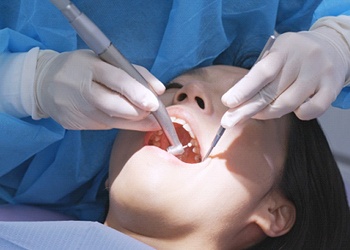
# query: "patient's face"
{"points": [[155, 194]]}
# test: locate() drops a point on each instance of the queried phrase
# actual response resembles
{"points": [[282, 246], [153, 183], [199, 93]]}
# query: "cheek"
{"points": [[254, 156], [221, 187], [220, 196], [125, 145]]}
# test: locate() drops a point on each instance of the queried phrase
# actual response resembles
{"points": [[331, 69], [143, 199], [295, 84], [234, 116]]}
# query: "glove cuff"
{"points": [[44, 58], [336, 30], [16, 90]]}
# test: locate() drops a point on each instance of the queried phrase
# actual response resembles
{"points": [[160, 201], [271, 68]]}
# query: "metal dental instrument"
{"points": [[104, 48], [221, 130]]}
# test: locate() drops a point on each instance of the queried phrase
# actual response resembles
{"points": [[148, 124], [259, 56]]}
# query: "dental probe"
{"points": [[221, 130], [104, 48]]}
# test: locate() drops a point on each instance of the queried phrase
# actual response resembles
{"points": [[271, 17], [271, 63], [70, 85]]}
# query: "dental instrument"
{"points": [[103, 47], [187, 145], [221, 129]]}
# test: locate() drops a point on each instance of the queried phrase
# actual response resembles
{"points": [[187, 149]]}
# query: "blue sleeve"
{"points": [[41, 162], [64, 235], [331, 8], [28, 24], [294, 16], [343, 99], [13, 41]]}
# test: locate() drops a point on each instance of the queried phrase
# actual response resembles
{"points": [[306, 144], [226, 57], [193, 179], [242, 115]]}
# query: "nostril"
{"points": [[181, 97], [200, 102]]}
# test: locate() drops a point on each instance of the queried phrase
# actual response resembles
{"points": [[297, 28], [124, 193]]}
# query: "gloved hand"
{"points": [[80, 91], [304, 72]]}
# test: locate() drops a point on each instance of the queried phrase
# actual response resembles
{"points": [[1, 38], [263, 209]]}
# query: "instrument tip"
{"points": [[176, 149]]}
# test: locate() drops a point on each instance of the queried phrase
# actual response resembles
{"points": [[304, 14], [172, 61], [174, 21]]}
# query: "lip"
{"points": [[172, 159]]}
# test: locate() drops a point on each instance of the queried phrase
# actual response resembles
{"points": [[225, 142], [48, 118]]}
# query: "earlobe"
{"points": [[276, 217]]}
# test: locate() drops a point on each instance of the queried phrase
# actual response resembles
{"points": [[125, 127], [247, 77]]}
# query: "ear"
{"points": [[276, 216]]}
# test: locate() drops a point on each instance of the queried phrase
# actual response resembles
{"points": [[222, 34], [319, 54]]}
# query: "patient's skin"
{"points": [[226, 202]]}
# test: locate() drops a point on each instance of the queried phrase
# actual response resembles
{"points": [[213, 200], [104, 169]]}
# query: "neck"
{"points": [[196, 238]]}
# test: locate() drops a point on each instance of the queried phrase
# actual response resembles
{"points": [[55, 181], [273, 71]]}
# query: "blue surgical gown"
{"points": [[45, 165]]}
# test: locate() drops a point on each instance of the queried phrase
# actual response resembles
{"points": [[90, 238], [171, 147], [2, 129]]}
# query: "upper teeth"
{"points": [[185, 125]]}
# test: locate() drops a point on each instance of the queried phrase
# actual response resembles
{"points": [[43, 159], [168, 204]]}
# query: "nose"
{"points": [[193, 94]]}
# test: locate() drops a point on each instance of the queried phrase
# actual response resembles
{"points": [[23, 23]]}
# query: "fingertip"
{"points": [[224, 99], [228, 120], [150, 103], [229, 100], [157, 86]]}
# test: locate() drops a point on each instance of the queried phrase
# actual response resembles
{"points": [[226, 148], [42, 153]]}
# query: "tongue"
{"points": [[160, 140]]}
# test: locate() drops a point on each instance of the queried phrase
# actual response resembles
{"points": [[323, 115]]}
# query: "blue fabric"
{"points": [[43, 164], [332, 8], [64, 235], [343, 99]]}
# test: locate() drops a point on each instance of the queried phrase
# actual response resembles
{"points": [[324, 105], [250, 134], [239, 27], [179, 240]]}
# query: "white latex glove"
{"points": [[304, 72], [80, 91]]}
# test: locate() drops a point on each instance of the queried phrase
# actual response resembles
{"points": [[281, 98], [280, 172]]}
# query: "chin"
{"points": [[152, 178]]}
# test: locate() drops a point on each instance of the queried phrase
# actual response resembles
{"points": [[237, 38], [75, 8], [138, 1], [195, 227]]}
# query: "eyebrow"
{"points": [[174, 85], [191, 72], [200, 72]]}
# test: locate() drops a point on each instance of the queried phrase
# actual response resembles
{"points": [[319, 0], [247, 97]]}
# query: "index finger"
{"points": [[244, 112], [264, 72], [118, 80]]}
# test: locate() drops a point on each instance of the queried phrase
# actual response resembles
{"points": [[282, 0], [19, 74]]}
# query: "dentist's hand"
{"points": [[303, 73], [80, 91]]}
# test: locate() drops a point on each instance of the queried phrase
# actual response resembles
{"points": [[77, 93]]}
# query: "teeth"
{"points": [[184, 125], [197, 158], [195, 150], [194, 143], [188, 129], [178, 120]]}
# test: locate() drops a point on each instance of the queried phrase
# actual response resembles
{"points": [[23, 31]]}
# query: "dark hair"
{"points": [[312, 181]]}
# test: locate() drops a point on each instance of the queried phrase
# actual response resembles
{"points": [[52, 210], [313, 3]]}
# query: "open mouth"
{"points": [[186, 136]]}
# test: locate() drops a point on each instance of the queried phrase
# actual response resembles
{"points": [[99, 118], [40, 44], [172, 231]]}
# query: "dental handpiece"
{"points": [[103, 47], [221, 129]]}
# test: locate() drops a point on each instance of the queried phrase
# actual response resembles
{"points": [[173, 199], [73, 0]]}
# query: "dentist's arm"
{"points": [[303, 73], [78, 90]]}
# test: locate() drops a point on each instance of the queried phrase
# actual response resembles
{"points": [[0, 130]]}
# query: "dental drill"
{"points": [[221, 129], [103, 47]]}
